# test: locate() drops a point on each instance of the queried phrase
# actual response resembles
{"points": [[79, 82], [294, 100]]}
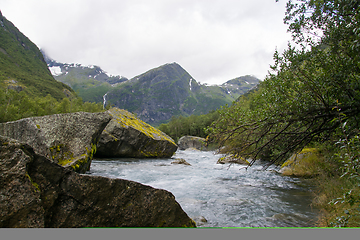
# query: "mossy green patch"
{"points": [[293, 158], [61, 155], [302, 164], [127, 119], [37, 189]]}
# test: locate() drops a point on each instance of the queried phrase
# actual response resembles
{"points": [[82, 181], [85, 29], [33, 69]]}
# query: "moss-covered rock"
{"points": [[36, 192], [198, 143], [233, 159], [67, 139], [128, 136], [302, 164]]}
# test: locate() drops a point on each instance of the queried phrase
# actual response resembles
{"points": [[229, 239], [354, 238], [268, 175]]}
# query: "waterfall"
{"points": [[104, 100]]}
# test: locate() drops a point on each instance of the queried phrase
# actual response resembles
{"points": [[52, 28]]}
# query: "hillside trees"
{"points": [[194, 125], [312, 91], [14, 105]]}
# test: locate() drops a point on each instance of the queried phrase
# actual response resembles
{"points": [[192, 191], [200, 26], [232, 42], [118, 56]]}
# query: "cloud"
{"points": [[214, 40]]}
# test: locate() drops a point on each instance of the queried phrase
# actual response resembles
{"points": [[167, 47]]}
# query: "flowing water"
{"points": [[224, 196]]}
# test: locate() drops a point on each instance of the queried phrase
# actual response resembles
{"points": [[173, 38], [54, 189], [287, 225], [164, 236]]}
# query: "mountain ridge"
{"points": [[22, 66], [156, 95], [90, 82], [169, 90]]}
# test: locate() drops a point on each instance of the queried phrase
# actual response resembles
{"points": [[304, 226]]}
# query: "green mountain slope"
{"points": [[156, 95], [166, 91], [90, 82], [22, 66], [27, 87]]}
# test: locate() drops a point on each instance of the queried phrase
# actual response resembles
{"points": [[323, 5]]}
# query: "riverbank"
{"points": [[336, 195]]}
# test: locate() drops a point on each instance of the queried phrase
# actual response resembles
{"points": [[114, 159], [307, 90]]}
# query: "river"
{"points": [[226, 196]]}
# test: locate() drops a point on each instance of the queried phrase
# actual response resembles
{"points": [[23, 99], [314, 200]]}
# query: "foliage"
{"points": [[310, 97], [22, 67], [338, 190], [14, 105], [298, 102], [194, 125]]}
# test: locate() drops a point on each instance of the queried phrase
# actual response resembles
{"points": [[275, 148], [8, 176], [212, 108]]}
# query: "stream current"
{"points": [[226, 196]]}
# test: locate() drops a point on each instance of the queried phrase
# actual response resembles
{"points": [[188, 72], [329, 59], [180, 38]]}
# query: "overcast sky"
{"points": [[214, 40]]}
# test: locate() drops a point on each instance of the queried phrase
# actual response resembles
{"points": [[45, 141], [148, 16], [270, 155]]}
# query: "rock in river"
{"points": [[186, 142], [68, 139], [35, 192], [180, 161], [233, 159], [128, 136]]}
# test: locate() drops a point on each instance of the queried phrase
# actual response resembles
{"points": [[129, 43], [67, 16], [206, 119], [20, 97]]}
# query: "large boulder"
{"points": [[128, 136], [36, 192], [198, 143], [68, 139]]}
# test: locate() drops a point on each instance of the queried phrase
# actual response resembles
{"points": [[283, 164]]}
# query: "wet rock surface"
{"points": [[180, 161], [36, 192]]}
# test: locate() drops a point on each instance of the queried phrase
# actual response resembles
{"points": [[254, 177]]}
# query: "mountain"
{"points": [[160, 93], [90, 82], [22, 66], [154, 96]]}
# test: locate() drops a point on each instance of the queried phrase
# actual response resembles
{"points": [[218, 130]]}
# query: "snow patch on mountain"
{"points": [[55, 71]]}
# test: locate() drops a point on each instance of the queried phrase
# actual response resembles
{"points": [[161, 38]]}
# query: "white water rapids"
{"points": [[225, 196]]}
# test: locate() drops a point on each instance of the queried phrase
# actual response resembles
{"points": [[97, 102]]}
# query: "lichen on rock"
{"points": [[67, 139], [233, 159], [128, 136], [36, 193]]}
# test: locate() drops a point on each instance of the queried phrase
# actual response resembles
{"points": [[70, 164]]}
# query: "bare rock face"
{"points": [[128, 136], [67, 139], [36, 192], [198, 143], [20, 203]]}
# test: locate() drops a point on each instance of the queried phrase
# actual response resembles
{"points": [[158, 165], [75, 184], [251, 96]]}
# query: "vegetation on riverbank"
{"points": [[309, 99], [194, 125], [337, 189]]}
